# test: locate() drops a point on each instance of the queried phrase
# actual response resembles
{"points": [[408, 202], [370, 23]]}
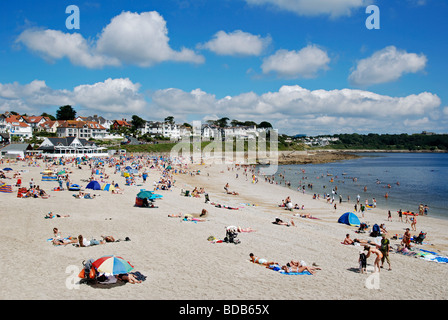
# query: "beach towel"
{"points": [[279, 269], [425, 255], [432, 256], [5, 188]]}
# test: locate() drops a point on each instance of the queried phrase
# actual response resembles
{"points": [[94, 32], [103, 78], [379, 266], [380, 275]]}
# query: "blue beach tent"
{"points": [[349, 218], [94, 185]]}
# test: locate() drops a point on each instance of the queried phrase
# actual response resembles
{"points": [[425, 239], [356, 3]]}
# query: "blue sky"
{"points": [[306, 66]]}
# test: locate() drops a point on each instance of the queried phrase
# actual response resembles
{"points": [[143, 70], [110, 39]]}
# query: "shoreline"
{"points": [[175, 255]]}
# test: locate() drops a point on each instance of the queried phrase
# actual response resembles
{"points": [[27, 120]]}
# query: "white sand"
{"points": [[178, 260]]}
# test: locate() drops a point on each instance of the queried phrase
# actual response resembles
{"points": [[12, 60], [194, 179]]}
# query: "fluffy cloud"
{"points": [[386, 65], [236, 43], [332, 8], [113, 96], [292, 64], [131, 38], [293, 108], [53, 45], [141, 39]]}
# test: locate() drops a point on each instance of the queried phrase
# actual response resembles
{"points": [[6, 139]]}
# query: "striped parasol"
{"points": [[112, 265]]}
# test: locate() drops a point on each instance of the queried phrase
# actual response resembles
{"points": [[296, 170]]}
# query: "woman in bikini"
{"points": [[261, 261], [379, 256], [288, 269]]}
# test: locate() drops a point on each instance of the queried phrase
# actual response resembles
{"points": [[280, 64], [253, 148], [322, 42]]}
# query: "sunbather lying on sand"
{"points": [[261, 261], [305, 215], [281, 222], [51, 215], [288, 269], [239, 229], [296, 263], [128, 277], [203, 213], [350, 241]]}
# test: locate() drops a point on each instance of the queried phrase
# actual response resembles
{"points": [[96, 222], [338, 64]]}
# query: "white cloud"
{"points": [[332, 8], [236, 43], [53, 45], [317, 111], [113, 96], [141, 39], [386, 65], [132, 38], [445, 111], [305, 63], [291, 109]]}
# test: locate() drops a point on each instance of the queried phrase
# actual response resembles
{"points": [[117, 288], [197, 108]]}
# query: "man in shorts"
{"points": [[385, 248]]}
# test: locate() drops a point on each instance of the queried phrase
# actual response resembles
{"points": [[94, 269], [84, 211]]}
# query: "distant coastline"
{"points": [[380, 151]]}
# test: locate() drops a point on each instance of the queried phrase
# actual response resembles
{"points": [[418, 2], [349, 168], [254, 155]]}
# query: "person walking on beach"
{"points": [[389, 216], [385, 248], [362, 210], [414, 223], [400, 215]]}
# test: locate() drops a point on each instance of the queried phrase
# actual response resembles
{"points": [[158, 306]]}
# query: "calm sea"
{"points": [[409, 179]]}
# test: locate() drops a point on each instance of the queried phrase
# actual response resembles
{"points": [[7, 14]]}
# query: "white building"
{"points": [[209, 132], [71, 147], [81, 129], [49, 126], [35, 121], [17, 128], [164, 129]]}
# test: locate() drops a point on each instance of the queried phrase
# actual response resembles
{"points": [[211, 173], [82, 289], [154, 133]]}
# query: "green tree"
{"points": [[222, 122], [169, 119], [264, 124], [137, 122], [65, 113], [52, 118]]}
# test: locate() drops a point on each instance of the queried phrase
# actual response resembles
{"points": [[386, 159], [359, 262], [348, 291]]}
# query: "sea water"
{"points": [[407, 179]]}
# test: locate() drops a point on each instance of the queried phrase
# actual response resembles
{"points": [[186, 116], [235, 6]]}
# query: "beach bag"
{"points": [[88, 273]]}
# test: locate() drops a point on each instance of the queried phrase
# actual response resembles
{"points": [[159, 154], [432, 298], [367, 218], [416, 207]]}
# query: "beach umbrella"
{"points": [[107, 187], [61, 172], [94, 185], [112, 265], [7, 169], [145, 194], [155, 196]]}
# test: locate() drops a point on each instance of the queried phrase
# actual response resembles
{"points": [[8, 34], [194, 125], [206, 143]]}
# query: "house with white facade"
{"points": [[49, 126], [81, 129], [17, 128], [209, 132], [35, 121], [99, 119], [172, 131], [71, 147]]}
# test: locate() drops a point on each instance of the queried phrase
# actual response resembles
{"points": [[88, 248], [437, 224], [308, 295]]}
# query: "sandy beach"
{"points": [[177, 258]]}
